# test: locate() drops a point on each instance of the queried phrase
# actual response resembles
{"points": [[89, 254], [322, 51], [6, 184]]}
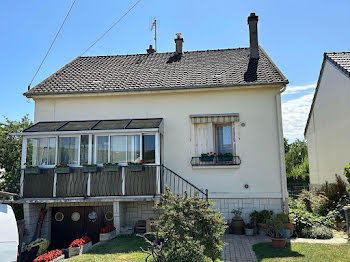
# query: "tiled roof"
{"points": [[341, 60], [160, 71]]}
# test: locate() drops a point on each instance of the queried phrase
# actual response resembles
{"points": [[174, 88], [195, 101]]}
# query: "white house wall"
{"points": [[257, 142], [328, 133]]}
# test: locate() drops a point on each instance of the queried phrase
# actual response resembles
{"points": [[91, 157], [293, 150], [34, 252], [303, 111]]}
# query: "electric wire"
{"points": [[51, 45]]}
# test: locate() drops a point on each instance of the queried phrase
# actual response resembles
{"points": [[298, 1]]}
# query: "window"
{"points": [[41, 151], [68, 148], [149, 148], [224, 139], [125, 149], [101, 149], [84, 149]]}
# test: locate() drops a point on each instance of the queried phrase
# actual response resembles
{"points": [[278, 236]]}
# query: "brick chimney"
{"points": [[178, 43], [253, 35], [150, 50]]}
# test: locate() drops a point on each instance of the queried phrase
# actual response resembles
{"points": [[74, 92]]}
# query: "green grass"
{"points": [[121, 249], [302, 252]]}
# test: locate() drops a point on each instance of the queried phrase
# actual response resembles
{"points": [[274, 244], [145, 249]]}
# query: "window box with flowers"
{"points": [[207, 157], [89, 168], [52, 256], [79, 246], [226, 157], [31, 170], [109, 167], [107, 233], [135, 167], [62, 169]]}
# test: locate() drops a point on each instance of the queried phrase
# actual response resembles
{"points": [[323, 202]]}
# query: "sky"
{"points": [[295, 34]]}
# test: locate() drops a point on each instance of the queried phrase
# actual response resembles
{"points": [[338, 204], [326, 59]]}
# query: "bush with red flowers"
{"points": [[107, 229], [49, 256], [80, 242]]}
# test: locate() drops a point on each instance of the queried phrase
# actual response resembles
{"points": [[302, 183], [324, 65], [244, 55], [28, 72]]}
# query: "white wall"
{"points": [[257, 142], [328, 133]]}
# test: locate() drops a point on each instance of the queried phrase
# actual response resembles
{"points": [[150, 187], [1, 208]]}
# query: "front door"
{"points": [[69, 223]]}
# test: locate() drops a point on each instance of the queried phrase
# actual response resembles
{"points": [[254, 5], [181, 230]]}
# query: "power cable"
{"points": [[53, 41], [113, 25]]}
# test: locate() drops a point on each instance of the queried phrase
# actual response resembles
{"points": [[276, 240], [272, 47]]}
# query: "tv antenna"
{"points": [[154, 26]]}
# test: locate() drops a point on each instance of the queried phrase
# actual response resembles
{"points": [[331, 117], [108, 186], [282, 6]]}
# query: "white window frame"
{"points": [[233, 140], [92, 151]]}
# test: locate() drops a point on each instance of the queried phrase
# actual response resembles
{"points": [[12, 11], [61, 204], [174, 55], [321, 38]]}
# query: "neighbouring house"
{"points": [[328, 125], [162, 109]]}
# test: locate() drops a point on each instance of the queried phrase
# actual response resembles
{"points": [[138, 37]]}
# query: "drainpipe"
{"points": [[281, 150]]}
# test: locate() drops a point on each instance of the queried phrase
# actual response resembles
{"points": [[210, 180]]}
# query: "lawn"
{"points": [[121, 249], [302, 252]]}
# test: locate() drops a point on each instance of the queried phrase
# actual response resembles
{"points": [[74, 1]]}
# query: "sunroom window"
{"points": [[149, 148], [125, 148], [41, 151], [68, 148], [102, 149]]}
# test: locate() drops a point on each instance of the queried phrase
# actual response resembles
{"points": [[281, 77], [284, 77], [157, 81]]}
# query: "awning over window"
{"points": [[214, 118], [95, 125]]}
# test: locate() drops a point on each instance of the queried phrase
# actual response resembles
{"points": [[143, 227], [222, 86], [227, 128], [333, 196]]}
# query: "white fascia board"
{"points": [[137, 131]]}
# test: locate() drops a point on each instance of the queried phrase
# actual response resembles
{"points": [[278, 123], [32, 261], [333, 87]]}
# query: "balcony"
{"points": [[215, 161], [150, 182]]}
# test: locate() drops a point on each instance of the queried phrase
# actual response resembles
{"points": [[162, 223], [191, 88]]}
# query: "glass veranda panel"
{"points": [[41, 151], [149, 148], [101, 149], [68, 150], [118, 149]]}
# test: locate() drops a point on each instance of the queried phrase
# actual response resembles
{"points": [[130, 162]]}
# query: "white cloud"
{"points": [[294, 115], [297, 89]]}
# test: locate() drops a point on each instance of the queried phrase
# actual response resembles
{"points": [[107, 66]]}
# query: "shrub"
{"points": [[319, 232], [302, 179], [80, 242], [305, 219], [187, 230], [316, 203], [48, 256], [261, 216]]}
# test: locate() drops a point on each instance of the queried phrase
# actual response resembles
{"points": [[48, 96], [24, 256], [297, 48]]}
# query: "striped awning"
{"points": [[215, 118]]}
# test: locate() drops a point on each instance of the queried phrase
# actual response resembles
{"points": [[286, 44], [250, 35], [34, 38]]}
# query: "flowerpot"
{"points": [[347, 217], [206, 158], [135, 168], [58, 259], [111, 168], [278, 242], [225, 158], [62, 170], [32, 170], [89, 169], [237, 226], [75, 251], [286, 232], [108, 236], [249, 231]]}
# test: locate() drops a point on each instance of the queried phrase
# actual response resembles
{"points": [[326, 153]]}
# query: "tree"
{"points": [[187, 230], [286, 145], [296, 157], [10, 153]]}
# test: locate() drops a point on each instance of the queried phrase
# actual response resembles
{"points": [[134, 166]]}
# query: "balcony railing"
{"points": [[216, 161], [151, 181]]}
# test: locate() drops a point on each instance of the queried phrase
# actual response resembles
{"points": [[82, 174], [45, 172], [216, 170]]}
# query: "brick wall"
{"points": [[131, 212], [226, 205]]}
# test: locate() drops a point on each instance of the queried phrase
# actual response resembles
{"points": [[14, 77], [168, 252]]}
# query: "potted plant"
{"points": [[62, 169], [110, 167], [225, 157], [107, 233], [288, 228], [237, 222], [52, 256], [260, 218], [89, 168], [274, 230], [31, 170], [249, 229], [79, 246], [135, 166], [207, 157]]}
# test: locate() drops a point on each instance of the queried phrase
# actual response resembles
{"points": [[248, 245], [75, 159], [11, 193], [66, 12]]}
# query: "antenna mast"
{"points": [[154, 26]]}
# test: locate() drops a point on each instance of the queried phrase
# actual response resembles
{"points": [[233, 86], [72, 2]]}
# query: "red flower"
{"points": [[61, 163], [141, 161], [80, 242], [107, 229], [24, 164], [48, 256], [86, 162]]}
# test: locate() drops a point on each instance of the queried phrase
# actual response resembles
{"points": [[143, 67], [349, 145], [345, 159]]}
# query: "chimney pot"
{"points": [[253, 35], [150, 50], [178, 43]]}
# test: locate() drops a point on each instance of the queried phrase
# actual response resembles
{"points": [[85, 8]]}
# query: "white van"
{"points": [[8, 234]]}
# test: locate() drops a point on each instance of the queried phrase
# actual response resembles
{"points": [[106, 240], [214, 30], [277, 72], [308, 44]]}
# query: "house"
{"points": [[328, 126], [165, 109]]}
